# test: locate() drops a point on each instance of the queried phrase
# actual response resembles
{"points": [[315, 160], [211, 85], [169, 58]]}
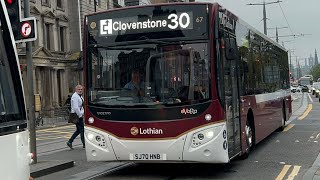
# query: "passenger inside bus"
{"points": [[136, 85]]}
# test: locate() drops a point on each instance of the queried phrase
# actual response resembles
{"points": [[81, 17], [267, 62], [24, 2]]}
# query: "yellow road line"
{"points": [[305, 114], [52, 138], [294, 172], [62, 132], [55, 128], [288, 127], [283, 172]]}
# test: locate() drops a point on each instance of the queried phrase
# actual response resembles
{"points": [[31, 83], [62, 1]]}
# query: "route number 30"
{"points": [[178, 20]]}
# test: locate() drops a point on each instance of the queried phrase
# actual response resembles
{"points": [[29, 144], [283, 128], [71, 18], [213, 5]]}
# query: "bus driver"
{"points": [[135, 84]]}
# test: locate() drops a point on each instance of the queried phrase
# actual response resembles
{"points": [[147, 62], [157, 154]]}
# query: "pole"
{"points": [[277, 37], [265, 19], [95, 5], [290, 60], [297, 68], [80, 22], [264, 12], [31, 113]]}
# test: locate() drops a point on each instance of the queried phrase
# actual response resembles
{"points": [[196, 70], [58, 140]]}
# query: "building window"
{"points": [[115, 4], [131, 3], [108, 6], [60, 4], [62, 32], [47, 37], [45, 2]]}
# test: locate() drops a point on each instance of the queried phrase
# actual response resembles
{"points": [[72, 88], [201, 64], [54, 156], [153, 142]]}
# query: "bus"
{"points": [[205, 86], [14, 135], [306, 83]]}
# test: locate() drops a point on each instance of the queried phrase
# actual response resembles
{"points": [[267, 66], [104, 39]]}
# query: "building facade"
{"points": [[55, 67]]}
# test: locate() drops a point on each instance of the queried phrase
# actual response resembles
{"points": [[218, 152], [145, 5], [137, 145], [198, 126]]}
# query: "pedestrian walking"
{"points": [[77, 107]]}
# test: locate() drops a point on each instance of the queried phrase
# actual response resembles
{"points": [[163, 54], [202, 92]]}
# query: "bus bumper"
{"points": [[207, 144]]}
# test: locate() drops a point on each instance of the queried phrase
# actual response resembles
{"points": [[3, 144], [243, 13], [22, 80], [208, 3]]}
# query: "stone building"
{"points": [[55, 66]]}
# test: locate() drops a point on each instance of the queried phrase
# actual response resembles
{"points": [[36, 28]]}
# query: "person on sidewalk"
{"points": [[77, 107]]}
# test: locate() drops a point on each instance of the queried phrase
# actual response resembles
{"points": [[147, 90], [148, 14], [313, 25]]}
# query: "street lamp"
{"points": [[264, 13]]}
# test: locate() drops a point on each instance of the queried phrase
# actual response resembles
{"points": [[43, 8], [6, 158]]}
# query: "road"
{"points": [[53, 140], [283, 155]]}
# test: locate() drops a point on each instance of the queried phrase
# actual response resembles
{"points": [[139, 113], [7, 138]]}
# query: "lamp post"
{"points": [[277, 35], [264, 13]]}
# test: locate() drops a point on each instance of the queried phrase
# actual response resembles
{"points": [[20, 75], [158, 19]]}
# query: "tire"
{"points": [[249, 139]]}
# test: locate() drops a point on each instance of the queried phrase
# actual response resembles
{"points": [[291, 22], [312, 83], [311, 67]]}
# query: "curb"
{"points": [[48, 167], [301, 109]]}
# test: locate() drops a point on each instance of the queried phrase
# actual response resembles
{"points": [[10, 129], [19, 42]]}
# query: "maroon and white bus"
{"points": [[183, 82]]}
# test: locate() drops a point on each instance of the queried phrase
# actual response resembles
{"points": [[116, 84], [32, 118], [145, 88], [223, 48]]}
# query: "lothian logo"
{"points": [[134, 131]]}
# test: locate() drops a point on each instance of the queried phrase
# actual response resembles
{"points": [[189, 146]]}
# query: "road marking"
{"points": [[310, 97], [288, 127], [317, 136], [52, 138], [283, 172], [305, 114], [294, 172], [56, 128], [62, 132]]}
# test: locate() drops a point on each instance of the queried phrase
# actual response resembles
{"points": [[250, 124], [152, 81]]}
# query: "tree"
{"points": [[315, 72]]}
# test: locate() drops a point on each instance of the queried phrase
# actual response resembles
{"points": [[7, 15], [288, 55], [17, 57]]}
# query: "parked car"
{"points": [[316, 89]]}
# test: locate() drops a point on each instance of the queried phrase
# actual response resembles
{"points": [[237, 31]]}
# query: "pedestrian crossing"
{"points": [[62, 132]]}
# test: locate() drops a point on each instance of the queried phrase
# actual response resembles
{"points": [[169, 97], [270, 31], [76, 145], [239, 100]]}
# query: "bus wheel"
{"points": [[249, 140]]}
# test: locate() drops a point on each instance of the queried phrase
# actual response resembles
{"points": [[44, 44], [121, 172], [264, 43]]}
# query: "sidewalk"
{"points": [[44, 167], [313, 172]]}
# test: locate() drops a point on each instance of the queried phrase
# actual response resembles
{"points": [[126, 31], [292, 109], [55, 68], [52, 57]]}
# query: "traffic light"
{"points": [[24, 30], [14, 16]]}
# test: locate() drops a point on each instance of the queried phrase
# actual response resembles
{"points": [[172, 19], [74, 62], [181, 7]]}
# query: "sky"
{"points": [[302, 17]]}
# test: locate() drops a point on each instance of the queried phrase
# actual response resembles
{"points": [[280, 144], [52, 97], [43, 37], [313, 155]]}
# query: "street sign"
{"points": [[24, 29], [27, 30]]}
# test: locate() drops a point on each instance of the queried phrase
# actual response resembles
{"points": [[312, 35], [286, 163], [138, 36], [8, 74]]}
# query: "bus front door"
{"points": [[231, 84]]}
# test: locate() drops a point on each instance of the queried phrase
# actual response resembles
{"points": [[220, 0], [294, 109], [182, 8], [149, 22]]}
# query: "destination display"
{"points": [[130, 24], [150, 22]]}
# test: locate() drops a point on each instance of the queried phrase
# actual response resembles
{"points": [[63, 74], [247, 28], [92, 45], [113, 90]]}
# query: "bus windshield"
{"points": [[305, 81], [149, 74]]}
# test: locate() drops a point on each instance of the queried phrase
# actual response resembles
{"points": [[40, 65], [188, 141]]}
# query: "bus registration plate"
{"points": [[146, 156]]}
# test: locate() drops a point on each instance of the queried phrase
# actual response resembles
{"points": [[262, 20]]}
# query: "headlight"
{"points": [[96, 138], [204, 136]]}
